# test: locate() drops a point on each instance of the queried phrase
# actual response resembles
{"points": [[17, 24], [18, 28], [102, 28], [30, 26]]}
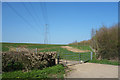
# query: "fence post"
{"points": [[91, 55], [79, 57], [36, 50], [58, 58]]}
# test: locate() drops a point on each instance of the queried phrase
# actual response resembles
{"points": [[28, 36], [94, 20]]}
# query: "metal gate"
{"points": [[74, 58]]}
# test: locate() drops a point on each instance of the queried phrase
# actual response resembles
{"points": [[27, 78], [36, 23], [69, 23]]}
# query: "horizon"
{"points": [[24, 22], [34, 43]]}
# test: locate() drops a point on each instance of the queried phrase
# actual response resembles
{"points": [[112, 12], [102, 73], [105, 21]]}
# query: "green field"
{"points": [[61, 51], [6, 46], [68, 55], [47, 48], [56, 71]]}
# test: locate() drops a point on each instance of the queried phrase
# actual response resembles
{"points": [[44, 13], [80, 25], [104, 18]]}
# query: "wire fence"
{"points": [[69, 58]]}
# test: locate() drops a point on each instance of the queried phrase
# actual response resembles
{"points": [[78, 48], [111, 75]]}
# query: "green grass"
{"points": [[104, 62], [94, 57], [43, 46], [69, 55], [5, 46], [56, 71]]}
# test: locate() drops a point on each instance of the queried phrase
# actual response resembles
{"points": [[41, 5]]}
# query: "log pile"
{"points": [[26, 61]]}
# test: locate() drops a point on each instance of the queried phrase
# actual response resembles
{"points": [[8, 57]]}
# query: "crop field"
{"points": [[48, 48], [53, 47], [7, 46]]}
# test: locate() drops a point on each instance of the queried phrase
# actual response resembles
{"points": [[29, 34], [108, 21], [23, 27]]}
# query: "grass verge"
{"points": [[56, 71], [104, 62]]}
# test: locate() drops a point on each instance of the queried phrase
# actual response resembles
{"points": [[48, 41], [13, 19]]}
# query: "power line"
{"points": [[46, 24], [19, 15], [44, 13], [37, 16], [34, 19], [47, 21]]}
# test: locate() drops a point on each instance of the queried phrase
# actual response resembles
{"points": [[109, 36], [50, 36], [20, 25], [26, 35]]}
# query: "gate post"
{"points": [[58, 58], [91, 55], [79, 57]]}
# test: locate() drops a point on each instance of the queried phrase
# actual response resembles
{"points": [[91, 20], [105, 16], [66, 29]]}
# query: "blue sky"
{"points": [[68, 21]]}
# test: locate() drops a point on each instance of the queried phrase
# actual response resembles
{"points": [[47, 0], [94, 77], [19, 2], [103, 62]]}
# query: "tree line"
{"points": [[105, 42]]}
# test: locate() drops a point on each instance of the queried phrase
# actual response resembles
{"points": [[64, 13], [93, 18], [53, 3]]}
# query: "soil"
{"points": [[74, 49]]}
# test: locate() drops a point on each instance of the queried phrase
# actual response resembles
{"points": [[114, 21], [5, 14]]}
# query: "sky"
{"points": [[24, 22]]}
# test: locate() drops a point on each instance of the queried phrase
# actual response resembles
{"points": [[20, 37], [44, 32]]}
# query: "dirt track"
{"points": [[74, 49], [92, 70]]}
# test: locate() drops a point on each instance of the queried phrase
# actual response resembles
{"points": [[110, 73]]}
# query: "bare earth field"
{"points": [[92, 70]]}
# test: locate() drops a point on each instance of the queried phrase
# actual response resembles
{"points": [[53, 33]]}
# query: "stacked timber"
{"points": [[27, 60]]}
